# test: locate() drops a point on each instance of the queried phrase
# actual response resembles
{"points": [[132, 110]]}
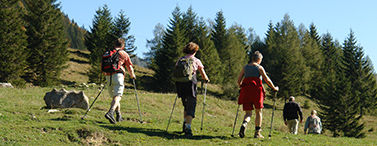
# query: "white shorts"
{"points": [[117, 84]]}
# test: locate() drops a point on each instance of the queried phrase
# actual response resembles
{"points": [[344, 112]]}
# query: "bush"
{"points": [[18, 83], [230, 91], [306, 104]]}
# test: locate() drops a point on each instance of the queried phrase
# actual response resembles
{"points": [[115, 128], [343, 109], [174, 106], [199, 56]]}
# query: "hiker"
{"points": [[290, 113], [187, 90], [313, 124], [116, 82], [253, 93]]}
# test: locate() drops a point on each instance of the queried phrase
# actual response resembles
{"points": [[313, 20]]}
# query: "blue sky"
{"points": [[334, 16]]}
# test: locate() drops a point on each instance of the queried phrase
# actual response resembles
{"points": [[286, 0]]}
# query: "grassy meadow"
{"points": [[24, 120]]}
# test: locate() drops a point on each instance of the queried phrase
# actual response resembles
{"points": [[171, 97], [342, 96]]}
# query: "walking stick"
{"points": [[204, 104], [235, 120], [94, 101], [273, 110], [171, 113], [138, 106]]}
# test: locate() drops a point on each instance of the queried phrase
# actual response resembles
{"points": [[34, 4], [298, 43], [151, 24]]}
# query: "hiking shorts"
{"points": [[116, 87], [248, 106], [189, 104]]}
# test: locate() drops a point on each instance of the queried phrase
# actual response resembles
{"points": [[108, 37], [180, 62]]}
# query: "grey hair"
{"points": [[256, 56], [313, 112], [291, 98]]}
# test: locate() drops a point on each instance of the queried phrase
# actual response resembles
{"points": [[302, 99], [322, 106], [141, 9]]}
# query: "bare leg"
{"points": [[258, 117]]}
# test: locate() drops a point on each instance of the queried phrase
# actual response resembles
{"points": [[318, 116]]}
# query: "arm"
{"points": [[204, 75], [240, 77], [300, 112], [130, 70], [267, 79]]}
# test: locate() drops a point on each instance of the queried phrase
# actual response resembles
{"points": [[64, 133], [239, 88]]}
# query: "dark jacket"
{"points": [[292, 110]]}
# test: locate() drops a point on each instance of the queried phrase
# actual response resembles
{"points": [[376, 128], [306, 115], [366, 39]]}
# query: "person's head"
{"points": [[314, 112], [119, 43], [291, 98], [190, 48], [257, 57]]}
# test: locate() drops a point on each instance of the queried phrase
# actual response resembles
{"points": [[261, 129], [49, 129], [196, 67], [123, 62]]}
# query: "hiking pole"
{"points": [[273, 110], [171, 113], [204, 104], [235, 120], [93, 102], [137, 99]]}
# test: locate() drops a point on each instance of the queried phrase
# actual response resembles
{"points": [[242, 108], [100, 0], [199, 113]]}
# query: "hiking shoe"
{"points": [[184, 127], [242, 131], [110, 117], [188, 133], [119, 117], [257, 134]]}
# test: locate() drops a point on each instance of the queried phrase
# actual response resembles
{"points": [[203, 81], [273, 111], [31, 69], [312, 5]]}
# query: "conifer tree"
{"points": [[121, 30], [97, 40], [46, 42], [287, 64], [220, 39], [208, 53], [14, 42], [314, 34], [154, 45], [165, 58]]}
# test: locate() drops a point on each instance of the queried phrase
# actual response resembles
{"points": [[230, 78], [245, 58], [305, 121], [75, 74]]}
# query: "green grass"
{"points": [[24, 121]]}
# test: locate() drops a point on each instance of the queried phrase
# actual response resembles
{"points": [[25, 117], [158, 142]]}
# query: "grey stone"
{"points": [[6, 85], [66, 99]]}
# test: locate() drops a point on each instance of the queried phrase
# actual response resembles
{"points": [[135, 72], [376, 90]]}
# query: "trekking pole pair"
{"points": [[201, 128], [94, 101], [137, 99]]}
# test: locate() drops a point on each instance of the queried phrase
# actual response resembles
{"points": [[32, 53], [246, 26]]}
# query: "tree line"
{"points": [[338, 77], [33, 47]]}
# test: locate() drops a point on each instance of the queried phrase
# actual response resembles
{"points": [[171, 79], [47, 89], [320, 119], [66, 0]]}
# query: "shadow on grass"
{"points": [[161, 133]]}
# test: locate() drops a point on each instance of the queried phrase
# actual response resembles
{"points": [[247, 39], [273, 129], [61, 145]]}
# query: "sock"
{"points": [[244, 123], [188, 126], [257, 128], [111, 110], [118, 112]]}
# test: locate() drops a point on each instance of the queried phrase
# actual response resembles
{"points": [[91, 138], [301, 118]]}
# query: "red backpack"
{"points": [[110, 61]]}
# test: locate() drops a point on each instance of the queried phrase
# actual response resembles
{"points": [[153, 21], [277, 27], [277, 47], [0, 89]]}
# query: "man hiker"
{"points": [[290, 113], [116, 82]]}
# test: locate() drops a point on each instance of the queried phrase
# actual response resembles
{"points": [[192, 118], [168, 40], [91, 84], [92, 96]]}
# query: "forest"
{"points": [[338, 76]]}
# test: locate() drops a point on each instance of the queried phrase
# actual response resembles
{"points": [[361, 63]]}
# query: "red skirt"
{"points": [[251, 90]]}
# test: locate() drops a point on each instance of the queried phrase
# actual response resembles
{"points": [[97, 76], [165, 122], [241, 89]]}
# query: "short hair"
{"points": [[190, 48], [119, 43], [313, 112], [291, 98], [256, 56]]}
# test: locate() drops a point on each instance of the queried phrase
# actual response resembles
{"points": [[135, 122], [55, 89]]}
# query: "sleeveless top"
{"points": [[252, 71]]}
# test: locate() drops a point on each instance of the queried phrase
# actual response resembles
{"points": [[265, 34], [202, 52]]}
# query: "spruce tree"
{"points": [[208, 53], [165, 58], [46, 42], [14, 42], [121, 30], [99, 39]]}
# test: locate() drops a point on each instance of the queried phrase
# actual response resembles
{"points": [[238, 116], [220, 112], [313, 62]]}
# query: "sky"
{"points": [[337, 17]]}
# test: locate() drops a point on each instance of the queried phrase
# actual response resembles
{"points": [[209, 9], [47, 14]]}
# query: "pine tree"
{"points": [[286, 65], [357, 69], [208, 53], [313, 59], [46, 43], [98, 40], [154, 44], [220, 40], [14, 42], [313, 33], [190, 21], [121, 30], [165, 58]]}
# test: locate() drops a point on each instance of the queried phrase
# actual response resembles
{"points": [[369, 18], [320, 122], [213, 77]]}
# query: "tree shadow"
{"points": [[161, 133], [78, 61]]}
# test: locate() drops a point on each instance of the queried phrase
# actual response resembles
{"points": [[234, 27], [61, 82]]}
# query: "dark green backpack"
{"points": [[183, 72]]}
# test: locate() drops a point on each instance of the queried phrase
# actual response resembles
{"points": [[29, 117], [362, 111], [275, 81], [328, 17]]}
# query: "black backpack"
{"points": [[183, 72]]}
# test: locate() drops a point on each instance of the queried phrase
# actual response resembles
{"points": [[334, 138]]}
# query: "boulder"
{"points": [[66, 99], [6, 85]]}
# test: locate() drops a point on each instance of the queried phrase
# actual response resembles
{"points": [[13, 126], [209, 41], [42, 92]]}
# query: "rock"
{"points": [[6, 85], [66, 99]]}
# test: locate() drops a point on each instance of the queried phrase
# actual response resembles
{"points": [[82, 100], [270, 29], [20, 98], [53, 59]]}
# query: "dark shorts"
{"points": [[189, 104]]}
